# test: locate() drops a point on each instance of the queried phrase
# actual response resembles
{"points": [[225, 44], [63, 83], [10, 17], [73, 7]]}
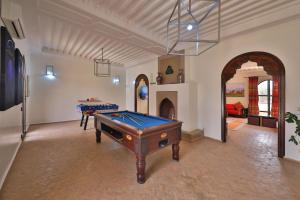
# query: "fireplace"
{"points": [[167, 109], [167, 104]]}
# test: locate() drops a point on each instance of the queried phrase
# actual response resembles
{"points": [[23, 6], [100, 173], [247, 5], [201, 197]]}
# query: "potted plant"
{"points": [[292, 118]]}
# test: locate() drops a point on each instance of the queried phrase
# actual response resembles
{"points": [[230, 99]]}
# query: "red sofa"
{"points": [[236, 109]]}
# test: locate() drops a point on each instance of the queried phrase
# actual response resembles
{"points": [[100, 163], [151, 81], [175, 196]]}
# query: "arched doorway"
{"points": [[141, 94], [274, 67]]}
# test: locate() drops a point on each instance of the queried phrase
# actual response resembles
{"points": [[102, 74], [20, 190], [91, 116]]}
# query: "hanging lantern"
{"points": [[102, 67], [187, 27]]}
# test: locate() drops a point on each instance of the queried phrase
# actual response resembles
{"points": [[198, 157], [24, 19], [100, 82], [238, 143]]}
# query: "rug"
{"points": [[235, 124]]}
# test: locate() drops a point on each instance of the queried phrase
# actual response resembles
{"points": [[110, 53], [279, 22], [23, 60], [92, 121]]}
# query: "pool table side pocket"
{"points": [[164, 138]]}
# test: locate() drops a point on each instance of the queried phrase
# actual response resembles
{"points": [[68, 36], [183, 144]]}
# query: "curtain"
{"points": [[253, 96], [275, 97]]}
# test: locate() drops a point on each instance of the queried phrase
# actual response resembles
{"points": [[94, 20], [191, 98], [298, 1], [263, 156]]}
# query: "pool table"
{"points": [[140, 133]]}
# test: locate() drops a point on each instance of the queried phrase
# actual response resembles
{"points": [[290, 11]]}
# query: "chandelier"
{"points": [[102, 66], [194, 26]]}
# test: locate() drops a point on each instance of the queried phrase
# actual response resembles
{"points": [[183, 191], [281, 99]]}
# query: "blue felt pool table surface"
{"points": [[137, 120]]}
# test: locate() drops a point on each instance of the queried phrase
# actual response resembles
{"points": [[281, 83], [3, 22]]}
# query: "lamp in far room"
{"points": [[50, 72], [102, 66]]}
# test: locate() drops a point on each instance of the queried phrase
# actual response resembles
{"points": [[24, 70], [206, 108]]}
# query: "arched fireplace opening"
{"points": [[167, 109]]}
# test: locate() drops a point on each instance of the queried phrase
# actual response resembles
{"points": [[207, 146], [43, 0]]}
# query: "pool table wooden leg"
{"points": [[140, 167], [175, 151], [98, 136]]}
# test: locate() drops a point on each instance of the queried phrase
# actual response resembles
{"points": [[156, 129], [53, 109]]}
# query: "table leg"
{"points": [[82, 119], [98, 136], [86, 122], [175, 151], [140, 167]]}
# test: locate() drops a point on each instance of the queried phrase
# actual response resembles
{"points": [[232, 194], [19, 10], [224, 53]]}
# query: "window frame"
{"points": [[268, 95]]}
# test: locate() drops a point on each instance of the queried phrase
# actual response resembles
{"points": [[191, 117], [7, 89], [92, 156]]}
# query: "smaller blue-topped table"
{"points": [[89, 108], [140, 133]]}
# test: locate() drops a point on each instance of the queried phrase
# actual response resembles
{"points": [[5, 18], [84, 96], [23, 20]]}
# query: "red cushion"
{"points": [[234, 109], [233, 112], [230, 107], [239, 106]]}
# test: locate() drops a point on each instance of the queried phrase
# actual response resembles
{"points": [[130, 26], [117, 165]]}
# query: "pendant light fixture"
{"points": [[194, 26], [102, 66]]}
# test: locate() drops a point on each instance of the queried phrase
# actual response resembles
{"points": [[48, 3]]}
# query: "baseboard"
{"points": [[214, 139], [27, 127], [292, 160], [56, 122], [10, 164]]}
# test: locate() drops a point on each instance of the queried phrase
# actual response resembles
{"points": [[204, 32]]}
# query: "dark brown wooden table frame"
{"points": [[140, 142]]}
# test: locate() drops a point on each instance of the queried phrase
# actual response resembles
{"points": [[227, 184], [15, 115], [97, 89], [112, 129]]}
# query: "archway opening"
{"points": [[275, 68]]}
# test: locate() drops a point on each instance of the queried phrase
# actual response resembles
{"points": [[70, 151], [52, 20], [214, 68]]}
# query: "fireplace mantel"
{"points": [[173, 87], [186, 102]]}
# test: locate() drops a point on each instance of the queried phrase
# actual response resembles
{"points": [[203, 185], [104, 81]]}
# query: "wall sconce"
{"points": [[50, 72], [116, 80]]}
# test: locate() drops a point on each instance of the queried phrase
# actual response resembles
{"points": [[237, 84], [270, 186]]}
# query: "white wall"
{"points": [[281, 40], [205, 70], [56, 100]]}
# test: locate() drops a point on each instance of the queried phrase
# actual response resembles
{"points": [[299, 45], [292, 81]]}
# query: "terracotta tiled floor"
{"points": [[60, 161]]}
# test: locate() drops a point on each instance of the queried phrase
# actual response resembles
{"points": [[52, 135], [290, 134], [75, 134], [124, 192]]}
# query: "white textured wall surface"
{"points": [[280, 40], [205, 71], [56, 100]]}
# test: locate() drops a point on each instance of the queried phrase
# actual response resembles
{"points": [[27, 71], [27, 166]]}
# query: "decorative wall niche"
{"points": [[141, 94], [169, 67]]}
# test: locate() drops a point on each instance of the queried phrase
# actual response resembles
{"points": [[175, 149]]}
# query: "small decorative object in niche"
{"points": [[151, 79], [169, 70], [180, 76], [292, 118], [143, 93], [159, 78], [235, 90]]}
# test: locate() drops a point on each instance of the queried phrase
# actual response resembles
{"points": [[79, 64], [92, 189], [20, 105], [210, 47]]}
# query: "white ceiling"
{"points": [[131, 30]]}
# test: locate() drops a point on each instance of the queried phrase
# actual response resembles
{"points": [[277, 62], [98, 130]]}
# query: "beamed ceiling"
{"points": [[131, 30]]}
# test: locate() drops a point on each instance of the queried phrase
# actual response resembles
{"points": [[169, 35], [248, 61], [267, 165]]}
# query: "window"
{"points": [[265, 89]]}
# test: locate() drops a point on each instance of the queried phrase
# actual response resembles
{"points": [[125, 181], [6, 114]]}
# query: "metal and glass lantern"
{"points": [[102, 67], [194, 26]]}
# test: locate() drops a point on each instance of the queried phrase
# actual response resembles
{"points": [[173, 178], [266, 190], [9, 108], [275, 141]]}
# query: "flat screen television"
{"points": [[7, 70], [19, 77]]}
